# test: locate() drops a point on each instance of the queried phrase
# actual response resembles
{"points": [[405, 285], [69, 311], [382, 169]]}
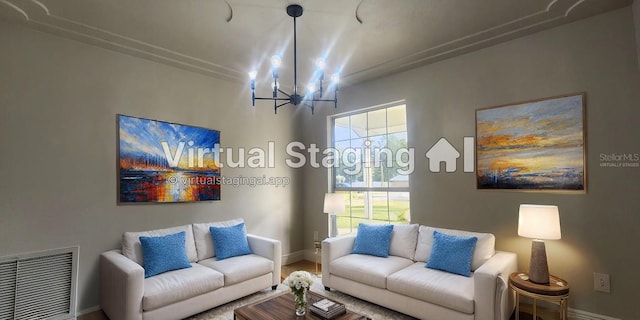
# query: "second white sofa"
{"points": [[402, 282]]}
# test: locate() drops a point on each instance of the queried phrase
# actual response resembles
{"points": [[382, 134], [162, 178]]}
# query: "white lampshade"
{"points": [[333, 203], [539, 222]]}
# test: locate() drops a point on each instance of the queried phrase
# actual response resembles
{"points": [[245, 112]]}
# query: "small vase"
{"points": [[301, 302]]}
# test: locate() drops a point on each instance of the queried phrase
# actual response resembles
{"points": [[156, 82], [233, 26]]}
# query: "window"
{"points": [[373, 164]]}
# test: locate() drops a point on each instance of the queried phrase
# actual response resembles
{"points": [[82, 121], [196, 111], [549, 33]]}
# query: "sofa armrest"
{"points": [[121, 286], [490, 288], [334, 248], [270, 249]]}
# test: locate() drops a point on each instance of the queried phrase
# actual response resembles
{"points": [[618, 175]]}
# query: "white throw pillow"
{"points": [[403, 240], [485, 247], [203, 239], [132, 249]]}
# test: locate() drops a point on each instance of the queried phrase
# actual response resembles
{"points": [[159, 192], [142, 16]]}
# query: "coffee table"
{"points": [[282, 307]]}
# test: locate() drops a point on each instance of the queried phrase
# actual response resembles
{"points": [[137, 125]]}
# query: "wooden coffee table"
{"points": [[282, 307]]}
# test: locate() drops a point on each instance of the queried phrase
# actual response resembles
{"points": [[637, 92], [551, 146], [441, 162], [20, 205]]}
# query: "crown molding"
{"points": [[551, 15], [21, 14], [36, 15]]}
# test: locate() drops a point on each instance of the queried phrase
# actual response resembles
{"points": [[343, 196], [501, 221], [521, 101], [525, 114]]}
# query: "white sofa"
{"points": [[125, 293], [402, 282]]}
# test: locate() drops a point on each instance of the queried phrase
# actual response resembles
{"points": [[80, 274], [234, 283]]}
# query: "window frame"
{"points": [[386, 189]]}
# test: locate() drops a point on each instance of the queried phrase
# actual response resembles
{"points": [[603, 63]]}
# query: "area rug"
{"points": [[375, 312]]}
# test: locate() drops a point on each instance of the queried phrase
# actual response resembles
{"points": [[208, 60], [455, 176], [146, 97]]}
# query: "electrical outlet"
{"points": [[601, 282]]}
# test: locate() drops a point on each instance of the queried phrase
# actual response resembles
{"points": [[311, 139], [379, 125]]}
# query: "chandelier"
{"points": [[314, 92]]}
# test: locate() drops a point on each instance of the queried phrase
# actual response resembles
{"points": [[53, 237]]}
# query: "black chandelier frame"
{"points": [[281, 98]]}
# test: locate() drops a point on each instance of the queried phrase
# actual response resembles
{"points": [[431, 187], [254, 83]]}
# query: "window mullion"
{"points": [[372, 183]]}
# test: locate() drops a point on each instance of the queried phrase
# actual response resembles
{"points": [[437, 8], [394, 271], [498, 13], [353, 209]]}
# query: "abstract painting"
{"points": [[536, 145], [166, 162]]}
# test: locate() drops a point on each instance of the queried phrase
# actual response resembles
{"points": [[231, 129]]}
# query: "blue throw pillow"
{"points": [[230, 241], [452, 253], [373, 239], [164, 253]]}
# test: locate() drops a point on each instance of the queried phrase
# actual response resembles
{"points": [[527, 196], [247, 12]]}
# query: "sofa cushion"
{"points": [[438, 287], [132, 249], [373, 239], [163, 253], [178, 285], [202, 236], [403, 240], [485, 246], [230, 241], [240, 268], [367, 269], [452, 253]]}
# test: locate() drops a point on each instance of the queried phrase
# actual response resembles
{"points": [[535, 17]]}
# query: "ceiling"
{"points": [[363, 39]]}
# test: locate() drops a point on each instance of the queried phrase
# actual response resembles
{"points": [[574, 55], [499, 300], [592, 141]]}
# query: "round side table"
{"points": [[557, 291]]}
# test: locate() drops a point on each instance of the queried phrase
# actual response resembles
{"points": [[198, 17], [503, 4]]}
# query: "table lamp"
{"points": [[333, 203], [539, 222]]}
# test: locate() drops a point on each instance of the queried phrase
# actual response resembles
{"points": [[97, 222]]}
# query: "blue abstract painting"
{"points": [[166, 162]]}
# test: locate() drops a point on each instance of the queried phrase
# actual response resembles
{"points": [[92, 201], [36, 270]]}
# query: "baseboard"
{"points": [[293, 257], [87, 311], [310, 255], [575, 314]]}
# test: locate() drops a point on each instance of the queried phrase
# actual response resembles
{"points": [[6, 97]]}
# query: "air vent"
{"points": [[39, 285]]}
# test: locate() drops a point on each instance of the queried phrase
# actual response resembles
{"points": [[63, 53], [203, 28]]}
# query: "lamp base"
{"points": [[333, 230], [538, 269]]}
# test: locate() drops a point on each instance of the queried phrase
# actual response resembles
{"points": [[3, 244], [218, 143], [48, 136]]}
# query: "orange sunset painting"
{"points": [[536, 145]]}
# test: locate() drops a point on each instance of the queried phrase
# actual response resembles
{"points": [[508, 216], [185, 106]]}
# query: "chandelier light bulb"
{"points": [[311, 88], [253, 74], [320, 64], [335, 78], [276, 61]]}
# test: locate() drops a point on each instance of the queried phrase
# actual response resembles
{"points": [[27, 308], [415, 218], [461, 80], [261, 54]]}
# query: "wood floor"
{"points": [[96, 315], [285, 271], [301, 265]]}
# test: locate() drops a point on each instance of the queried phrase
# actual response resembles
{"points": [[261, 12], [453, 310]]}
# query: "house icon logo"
{"points": [[443, 151]]}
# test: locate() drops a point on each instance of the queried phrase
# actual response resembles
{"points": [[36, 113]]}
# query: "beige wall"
{"points": [[600, 228], [636, 19], [59, 98], [58, 104]]}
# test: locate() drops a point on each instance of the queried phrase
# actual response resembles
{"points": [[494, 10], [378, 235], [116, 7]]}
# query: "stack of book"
{"points": [[328, 309]]}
